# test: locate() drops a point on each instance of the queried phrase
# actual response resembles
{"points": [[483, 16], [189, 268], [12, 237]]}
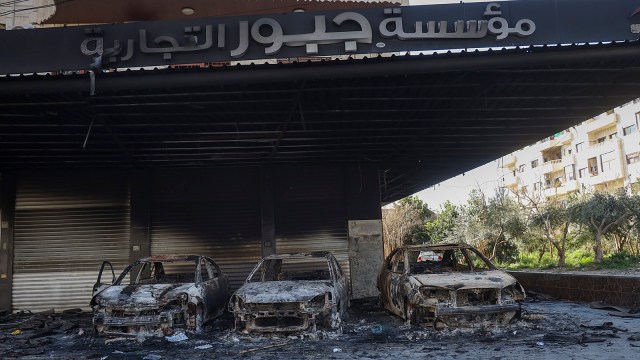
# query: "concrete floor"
{"points": [[549, 330]]}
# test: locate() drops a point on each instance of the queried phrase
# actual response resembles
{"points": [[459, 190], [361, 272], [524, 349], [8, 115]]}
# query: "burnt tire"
{"points": [[410, 314], [333, 320], [199, 320]]}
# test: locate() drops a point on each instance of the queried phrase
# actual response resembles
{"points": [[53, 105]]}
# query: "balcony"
{"points": [[633, 170], [509, 161], [568, 160], [551, 166], [560, 188], [600, 122], [600, 148], [556, 140], [509, 180]]}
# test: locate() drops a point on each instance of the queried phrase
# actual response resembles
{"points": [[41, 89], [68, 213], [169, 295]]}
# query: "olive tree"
{"points": [[603, 213], [446, 225], [403, 223], [553, 221], [493, 224]]}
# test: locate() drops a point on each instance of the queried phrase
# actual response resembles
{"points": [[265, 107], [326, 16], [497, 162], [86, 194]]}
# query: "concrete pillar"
{"points": [[366, 250], [139, 197], [7, 210], [267, 217]]}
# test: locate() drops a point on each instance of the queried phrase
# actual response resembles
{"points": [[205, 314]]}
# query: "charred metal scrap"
{"points": [[447, 284], [164, 292], [291, 292]]}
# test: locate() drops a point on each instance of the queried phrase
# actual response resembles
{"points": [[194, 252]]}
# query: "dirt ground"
{"points": [[549, 329]]}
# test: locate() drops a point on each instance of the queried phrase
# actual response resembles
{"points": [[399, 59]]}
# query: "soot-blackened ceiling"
{"points": [[421, 119]]}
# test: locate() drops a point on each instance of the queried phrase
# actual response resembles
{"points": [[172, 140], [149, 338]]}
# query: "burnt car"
{"points": [[447, 285], [292, 292], [155, 295]]}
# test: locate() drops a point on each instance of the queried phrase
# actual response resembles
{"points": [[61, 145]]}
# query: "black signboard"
{"points": [[294, 35]]}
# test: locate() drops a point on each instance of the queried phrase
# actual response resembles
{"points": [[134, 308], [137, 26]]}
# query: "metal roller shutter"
{"points": [[229, 233], [214, 213], [65, 226], [310, 213]]}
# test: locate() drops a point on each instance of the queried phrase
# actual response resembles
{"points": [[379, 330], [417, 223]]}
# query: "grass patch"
{"points": [[530, 261], [621, 260], [574, 259]]}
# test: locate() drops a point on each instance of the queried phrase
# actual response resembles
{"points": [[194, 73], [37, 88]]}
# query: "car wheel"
{"points": [[410, 314], [333, 319], [239, 325], [97, 330], [199, 319]]}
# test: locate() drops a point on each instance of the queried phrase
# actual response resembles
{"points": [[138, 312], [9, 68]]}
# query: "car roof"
{"points": [[171, 258], [445, 246], [313, 254]]}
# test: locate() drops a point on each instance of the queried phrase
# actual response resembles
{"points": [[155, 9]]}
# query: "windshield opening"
{"points": [[308, 268], [158, 272], [442, 261]]}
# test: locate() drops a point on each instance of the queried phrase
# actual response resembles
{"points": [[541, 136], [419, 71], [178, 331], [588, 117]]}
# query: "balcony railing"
{"points": [[551, 166]]}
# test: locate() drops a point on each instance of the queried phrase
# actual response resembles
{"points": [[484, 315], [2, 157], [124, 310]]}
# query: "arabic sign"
{"points": [[398, 29]]}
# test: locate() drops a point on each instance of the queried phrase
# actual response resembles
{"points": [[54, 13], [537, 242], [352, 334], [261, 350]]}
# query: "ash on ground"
{"points": [[548, 329]]}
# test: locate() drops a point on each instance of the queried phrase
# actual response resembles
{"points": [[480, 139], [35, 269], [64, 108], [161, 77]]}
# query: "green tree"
{"points": [[494, 224], [553, 219], [603, 213], [403, 223], [445, 225]]}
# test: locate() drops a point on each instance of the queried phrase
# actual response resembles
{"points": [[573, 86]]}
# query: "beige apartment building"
{"points": [[601, 153]]}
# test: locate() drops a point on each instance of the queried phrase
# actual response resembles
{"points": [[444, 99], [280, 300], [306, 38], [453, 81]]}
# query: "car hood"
{"points": [[141, 295], [282, 291], [491, 279]]}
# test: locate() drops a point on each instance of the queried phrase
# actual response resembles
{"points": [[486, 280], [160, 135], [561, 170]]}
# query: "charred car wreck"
{"points": [[292, 292], [163, 293], [448, 285]]}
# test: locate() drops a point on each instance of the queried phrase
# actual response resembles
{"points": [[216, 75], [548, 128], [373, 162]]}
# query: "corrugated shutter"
{"points": [[65, 226], [209, 213], [310, 213], [227, 233]]}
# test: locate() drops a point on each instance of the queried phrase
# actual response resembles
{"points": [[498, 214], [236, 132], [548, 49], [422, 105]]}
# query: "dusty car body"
{"points": [[454, 286], [164, 293], [291, 292]]}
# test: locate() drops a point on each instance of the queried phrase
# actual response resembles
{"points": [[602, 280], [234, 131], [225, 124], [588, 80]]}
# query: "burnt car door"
{"points": [[99, 285], [392, 278], [340, 284], [214, 286]]}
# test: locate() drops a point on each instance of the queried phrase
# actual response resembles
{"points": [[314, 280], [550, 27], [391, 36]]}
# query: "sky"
{"points": [[486, 178]]}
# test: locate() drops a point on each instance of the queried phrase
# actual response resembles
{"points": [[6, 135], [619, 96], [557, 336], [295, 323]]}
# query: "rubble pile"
{"points": [[26, 333]]}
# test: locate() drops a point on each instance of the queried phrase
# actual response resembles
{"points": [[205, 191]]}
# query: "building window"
{"points": [[601, 139], [557, 182], [633, 158], [579, 147], [629, 129], [570, 172], [582, 173], [607, 161], [521, 168], [534, 164], [593, 166], [613, 135]]}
